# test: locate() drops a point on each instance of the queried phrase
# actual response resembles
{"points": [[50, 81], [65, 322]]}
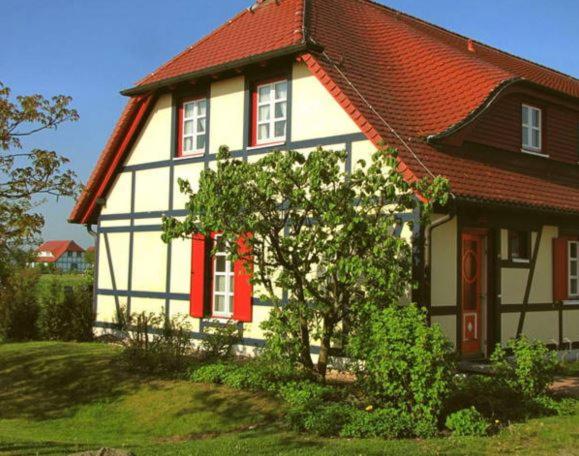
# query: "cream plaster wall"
{"points": [[119, 248], [154, 141], [152, 190], [315, 112], [118, 200], [227, 109], [443, 264], [448, 326], [149, 262], [181, 266]]}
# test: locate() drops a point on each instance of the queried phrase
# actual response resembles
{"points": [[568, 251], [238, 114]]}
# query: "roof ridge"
{"points": [[439, 28]]}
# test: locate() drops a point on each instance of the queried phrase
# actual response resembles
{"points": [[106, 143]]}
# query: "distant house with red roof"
{"points": [[500, 260], [67, 256]]}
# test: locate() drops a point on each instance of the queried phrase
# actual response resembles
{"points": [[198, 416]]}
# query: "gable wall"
{"points": [[135, 268]]}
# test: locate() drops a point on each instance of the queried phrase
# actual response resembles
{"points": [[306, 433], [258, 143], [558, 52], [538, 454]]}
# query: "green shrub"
{"points": [[490, 397], [218, 341], [307, 409], [154, 343], [325, 420], [549, 405], [386, 423], [529, 371], [211, 373], [65, 308], [467, 422], [404, 364], [18, 304]]}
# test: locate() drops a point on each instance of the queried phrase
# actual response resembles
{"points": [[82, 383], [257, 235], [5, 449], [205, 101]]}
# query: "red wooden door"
{"points": [[471, 277]]}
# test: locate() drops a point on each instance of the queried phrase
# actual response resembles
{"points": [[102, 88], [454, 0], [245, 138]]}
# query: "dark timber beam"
{"points": [[529, 283]]}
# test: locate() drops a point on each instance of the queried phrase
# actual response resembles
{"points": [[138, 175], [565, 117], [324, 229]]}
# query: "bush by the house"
{"points": [[154, 343], [529, 370], [404, 364], [18, 305], [467, 422], [218, 340]]}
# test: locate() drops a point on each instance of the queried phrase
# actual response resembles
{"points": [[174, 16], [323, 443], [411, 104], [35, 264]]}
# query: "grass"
{"points": [[57, 398]]}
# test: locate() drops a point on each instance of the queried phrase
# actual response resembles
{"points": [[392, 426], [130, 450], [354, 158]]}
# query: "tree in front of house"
{"points": [[326, 236]]}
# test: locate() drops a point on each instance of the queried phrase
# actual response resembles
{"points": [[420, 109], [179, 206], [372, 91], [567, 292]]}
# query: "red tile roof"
{"points": [[401, 79], [57, 249]]}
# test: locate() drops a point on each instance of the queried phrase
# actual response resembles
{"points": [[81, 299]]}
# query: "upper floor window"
{"points": [[531, 128], [574, 269], [269, 112], [192, 132]]}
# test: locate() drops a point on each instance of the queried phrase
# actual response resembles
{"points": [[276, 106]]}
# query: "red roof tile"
{"points": [[57, 249], [400, 78]]}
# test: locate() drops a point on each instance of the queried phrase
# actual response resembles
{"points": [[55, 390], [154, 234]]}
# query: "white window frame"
{"points": [[572, 260], [195, 117], [229, 285], [272, 118], [527, 139]]}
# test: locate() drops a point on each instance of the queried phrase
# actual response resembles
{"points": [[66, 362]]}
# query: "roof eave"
{"points": [[232, 65]]}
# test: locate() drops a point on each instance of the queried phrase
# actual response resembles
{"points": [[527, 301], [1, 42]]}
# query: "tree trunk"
{"points": [[305, 354], [324, 355]]}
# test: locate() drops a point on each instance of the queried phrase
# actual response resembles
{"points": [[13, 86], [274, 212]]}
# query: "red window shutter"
{"points": [[198, 276], [560, 265], [243, 292]]}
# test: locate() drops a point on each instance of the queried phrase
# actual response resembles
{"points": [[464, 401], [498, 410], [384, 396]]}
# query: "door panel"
{"points": [[472, 279]]}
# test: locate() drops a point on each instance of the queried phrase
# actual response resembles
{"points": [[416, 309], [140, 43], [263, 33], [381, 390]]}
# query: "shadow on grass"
{"points": [[45, 381], [43, 448]]}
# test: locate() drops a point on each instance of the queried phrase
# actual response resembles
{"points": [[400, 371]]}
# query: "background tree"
{"points": [[326, 236], [25, 175]]}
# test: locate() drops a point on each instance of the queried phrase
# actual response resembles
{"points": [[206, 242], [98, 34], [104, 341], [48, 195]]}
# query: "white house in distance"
{"points": [[66, 256], [500, 260]]}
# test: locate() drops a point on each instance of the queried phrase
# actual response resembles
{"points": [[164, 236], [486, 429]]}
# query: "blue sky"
{"points": [[91, 49]]}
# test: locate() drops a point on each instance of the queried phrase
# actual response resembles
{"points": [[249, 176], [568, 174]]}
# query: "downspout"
{"points": [[90, 230]]}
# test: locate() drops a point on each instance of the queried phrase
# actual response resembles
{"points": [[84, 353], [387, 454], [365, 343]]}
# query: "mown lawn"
{"points": [[57, 398]]}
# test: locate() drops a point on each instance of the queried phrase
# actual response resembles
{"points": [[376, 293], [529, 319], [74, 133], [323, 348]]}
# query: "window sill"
{"points": [[521, 260], [536, 153], [264, 146], [572, 301], [193, 155]]}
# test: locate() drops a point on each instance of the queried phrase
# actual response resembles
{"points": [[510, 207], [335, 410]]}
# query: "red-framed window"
{"points": [[192, 126], [269, 112], [566, 268], [220, 288]]}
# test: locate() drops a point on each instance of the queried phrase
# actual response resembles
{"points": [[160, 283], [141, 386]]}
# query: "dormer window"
{"points": [[531, 128]]}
